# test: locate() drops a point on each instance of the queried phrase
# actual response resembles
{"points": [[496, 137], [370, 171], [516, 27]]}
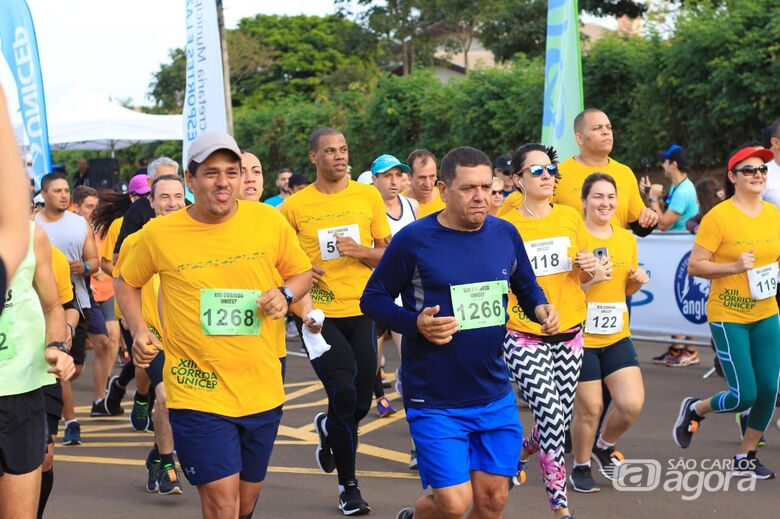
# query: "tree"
{"points": [[517, 26]]}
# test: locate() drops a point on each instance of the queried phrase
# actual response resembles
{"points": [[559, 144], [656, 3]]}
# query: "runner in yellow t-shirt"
{"points": [[609, 356], [546, 367], [423, 183], [737, 247], [167, 196], [337, 221], [593, 132], [217, 260]]}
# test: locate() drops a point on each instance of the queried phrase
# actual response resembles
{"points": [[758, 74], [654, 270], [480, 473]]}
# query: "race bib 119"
{"points": [[763, 281]]}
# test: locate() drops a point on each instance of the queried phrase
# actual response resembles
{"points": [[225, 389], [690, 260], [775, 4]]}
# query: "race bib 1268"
{"points": [[479, 305], [229, 311]]}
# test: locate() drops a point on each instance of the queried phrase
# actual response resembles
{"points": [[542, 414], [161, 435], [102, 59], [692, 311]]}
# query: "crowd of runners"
{"points": [[482, 275]]}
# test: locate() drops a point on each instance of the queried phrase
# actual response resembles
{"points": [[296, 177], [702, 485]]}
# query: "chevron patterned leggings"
{"points": [[547, 373]]}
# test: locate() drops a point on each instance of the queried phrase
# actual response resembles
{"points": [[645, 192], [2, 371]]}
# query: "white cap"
{"points": [[208, 142], [366, 178]]}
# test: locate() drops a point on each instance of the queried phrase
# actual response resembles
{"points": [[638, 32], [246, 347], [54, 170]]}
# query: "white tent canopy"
{"points": [[80, 119]]}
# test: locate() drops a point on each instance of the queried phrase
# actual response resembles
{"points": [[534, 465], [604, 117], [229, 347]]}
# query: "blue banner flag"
{"points": [[562, 77], [20, 48]]}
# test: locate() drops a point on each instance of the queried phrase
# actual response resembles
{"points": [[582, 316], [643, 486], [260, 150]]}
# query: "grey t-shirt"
{"points": [[69, 234]]}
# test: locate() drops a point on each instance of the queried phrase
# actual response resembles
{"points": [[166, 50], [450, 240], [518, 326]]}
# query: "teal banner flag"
{"points": [[562, 77]]}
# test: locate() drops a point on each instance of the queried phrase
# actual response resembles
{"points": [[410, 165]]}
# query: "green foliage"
{"points": [[516, 27]]}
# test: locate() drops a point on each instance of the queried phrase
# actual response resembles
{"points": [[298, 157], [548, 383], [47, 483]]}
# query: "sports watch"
{"points": [[287, 294]]}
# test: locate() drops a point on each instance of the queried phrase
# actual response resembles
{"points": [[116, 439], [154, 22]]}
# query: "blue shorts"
{"points": [[212, 446], [96, 324], [599, 363], [451, 443]]}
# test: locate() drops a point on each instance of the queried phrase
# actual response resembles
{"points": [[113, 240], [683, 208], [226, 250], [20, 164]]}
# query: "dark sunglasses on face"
{"points": [[537, 170], [752, 171], [497, 192]]}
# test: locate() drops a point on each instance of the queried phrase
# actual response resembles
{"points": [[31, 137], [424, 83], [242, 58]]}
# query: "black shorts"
{"points": [[155, 370], [127, 337], [52, 404], [22, 432], [79, 348], [599, 363]]}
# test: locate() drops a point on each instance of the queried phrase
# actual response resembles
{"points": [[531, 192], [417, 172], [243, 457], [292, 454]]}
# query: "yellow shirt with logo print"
{"points": [[727, 232], [230, 375]]}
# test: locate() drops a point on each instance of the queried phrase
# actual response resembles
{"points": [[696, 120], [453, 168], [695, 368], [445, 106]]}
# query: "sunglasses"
{"points": [[497, 192], [752, 171], [537, 170]]}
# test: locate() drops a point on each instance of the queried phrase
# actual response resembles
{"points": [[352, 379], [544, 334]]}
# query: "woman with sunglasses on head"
{"points": [[609, 357], [546, 367], [737, 247]]}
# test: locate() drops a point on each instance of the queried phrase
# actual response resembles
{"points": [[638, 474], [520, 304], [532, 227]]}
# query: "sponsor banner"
{"points": [[20, 48], [672, 302]]}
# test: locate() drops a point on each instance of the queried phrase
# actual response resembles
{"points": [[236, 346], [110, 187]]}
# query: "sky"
{"points": [[114, 47]]}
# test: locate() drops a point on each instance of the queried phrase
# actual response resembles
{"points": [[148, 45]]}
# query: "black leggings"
{"points": [[347, 372]]}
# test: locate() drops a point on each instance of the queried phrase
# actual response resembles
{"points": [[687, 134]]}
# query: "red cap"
{"points": [[751, 151]]}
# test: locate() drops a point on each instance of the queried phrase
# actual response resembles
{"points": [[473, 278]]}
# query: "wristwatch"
{"points": [[287, 294], [59, 345]]}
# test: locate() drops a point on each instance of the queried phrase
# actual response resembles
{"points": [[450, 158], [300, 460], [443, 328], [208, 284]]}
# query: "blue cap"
{"points": [[668, 153], [387, 162]]}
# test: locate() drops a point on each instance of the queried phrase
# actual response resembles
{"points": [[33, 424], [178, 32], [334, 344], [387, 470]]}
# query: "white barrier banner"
{"points": [[204, 100], [672, 302]]}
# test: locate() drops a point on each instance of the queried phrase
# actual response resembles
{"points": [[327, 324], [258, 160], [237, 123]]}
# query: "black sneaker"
{"points": [[751, 467], [323, 454], [608, 460], [152, 471], [582, 481], [139, 416], [114, 396], [406, 513], [72, 434], [99, 409], [351, 502], [168, 480], [687, 423]]}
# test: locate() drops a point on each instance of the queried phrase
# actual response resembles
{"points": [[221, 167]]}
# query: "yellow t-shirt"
{"points": [[61, 268], [109, 242], [621, 247], [230, 375], [149, 292], [356, 211], [568, 190], [511, 202], [436, 204], [562, 289], [727, 232]]}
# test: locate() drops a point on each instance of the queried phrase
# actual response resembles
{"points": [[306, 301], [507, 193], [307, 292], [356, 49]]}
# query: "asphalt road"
{"points": [[105, 476]]}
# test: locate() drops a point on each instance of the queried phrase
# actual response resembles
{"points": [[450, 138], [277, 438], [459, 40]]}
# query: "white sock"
{"points": [[341, 489], [601, 444], [693, 407], [68, 422], [741, 456], [98, 400], [325, 426], [586, 464]]}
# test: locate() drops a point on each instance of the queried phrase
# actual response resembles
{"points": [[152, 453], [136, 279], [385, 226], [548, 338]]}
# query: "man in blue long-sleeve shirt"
{"points": [[453, 270]]}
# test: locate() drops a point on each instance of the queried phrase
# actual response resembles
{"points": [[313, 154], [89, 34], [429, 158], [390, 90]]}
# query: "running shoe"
{"points": [[520, 477], [351, 502], [668, 354], [152, 473], [413, 459], [685, 359], [99, 409], [386, 384], [384, 407], [582, 481], [291, 330], [742, 420], [72, 434], [114, 396], [139, 416], [406, 513], [751, 467], [608, 460], [323, 454], [687, 423], [168, 480]]}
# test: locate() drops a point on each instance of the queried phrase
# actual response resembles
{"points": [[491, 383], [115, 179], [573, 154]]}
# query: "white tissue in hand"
{"points": [[315, 342]]}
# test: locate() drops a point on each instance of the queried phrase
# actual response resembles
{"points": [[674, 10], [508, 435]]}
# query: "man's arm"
{"points": [[14, 198], [666, 218], [368, 255], [53, 313]]}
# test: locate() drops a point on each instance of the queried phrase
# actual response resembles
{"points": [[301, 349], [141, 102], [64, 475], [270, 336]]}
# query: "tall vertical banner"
{"points": [[20, 49], [562, 77], [204, 100]]}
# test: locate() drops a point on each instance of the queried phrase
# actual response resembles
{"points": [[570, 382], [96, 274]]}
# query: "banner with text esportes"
{"points": [[204, 100], [20, 49], [562, 77]]}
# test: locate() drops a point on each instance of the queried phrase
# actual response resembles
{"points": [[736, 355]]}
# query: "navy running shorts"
{"points": [[599, 363], [212, 446]]}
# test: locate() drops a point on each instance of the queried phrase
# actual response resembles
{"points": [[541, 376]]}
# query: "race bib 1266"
{"points": [[479, 305], [229, 311]]}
